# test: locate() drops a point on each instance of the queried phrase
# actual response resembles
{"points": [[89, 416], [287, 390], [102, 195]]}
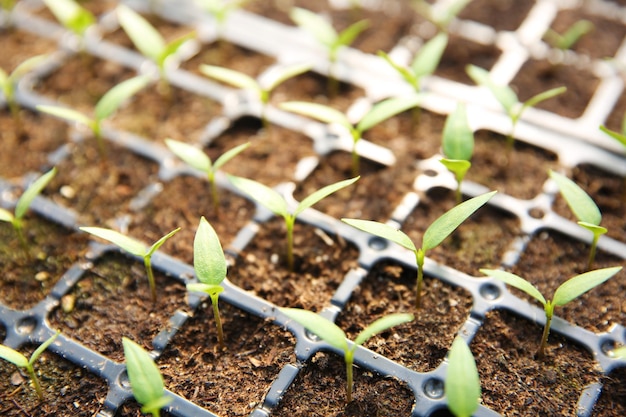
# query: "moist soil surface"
{"points": [[234, 380]]}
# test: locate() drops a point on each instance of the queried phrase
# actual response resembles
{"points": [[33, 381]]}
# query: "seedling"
{"points": [[133, 247], [378, 113], [458, 146], [220, 9], [197, 159], [333, 335], [462, 386], [106, 106], [621, 138], [508, 99], [23, 203], [149, 41], [277, 204], [71, 15], [566, 292], [569, 38], [442, 13], [19, 360], [424, 63], [145, 379], [328, 37], [8, 84], [584, 208], [209, 263], [262, 89], [433, 236]]}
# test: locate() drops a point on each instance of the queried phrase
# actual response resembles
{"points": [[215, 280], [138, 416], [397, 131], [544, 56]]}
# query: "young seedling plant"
{"points": [[621, 138], [333, 335], [569, 38], [134, 247], [458, 146], [277, 204], [440, 14], [209, 263], [584, 208], [71, 15], [149, 41], [8, 84], [566, 292], [21, 361], [508, 98], [110, 102], [377, 114], [328, 37], [145, 379], [462, 386], [262, 88], [220, 9], [23, 203], [433, 236], [197, 159]]}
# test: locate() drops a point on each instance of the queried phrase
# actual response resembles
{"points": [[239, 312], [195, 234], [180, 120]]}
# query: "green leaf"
{"points": [[67, 114], [71, 15], [462, 385], [348, 35], [6, 215], [26, 66], [287, 73], [208, 257], [315, 24], [262, 194], [429, 56], [33, 191], [228, 155], [384, 231], [386, 109], [450, 220], [13, 356], [621, 138], [459, 167], [317, 111], [381, 325], [538, 98], [171, 48], [116, 96], [229, 76], [155, 247], [458, 138], [596, 230], [451, 12], [127, 243], [503, 93], [318, 325], [580, 284], [205, 288], [37, 353], [322, 193], [583, 206], [517, 282], [404, 72], [145, 379], [143, 35], [191, 155]]}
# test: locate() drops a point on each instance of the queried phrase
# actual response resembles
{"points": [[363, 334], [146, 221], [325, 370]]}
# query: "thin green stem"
{"points": [[592, 251], [33, 377], [349, 359], [147, 261], [289, 223], [17, 225], [218, 320], [97, 133], [214, 195], [544, 337], [419, 257]]}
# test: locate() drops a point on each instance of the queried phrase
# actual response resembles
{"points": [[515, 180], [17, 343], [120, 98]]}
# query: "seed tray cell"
{"points": [[215, 117]]}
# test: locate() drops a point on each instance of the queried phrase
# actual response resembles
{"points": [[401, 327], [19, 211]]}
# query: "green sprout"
{"points": [[462, 386], [197, 159], [220, 9], [508, 99], [333, 335], [458, 146], [584, 208], [439, 15], [19, 360], [71, 15], [261, 89], [106, 106], [328, 37], [133, 247], [569, 38], [433, 236], [23, 203], [149, 41], [8, 84], [209, 263], [277, 204], [566, 292], [425, 61], [145, 379], [377, 114]]}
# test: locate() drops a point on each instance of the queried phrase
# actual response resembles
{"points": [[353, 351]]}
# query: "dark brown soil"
{"points": [[500, 15], [612, 401], [462, 52]]}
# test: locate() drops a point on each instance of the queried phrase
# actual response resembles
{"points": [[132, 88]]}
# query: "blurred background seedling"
{"points": [[457, 146], [568, 39], [72, 16], [440, 14]]}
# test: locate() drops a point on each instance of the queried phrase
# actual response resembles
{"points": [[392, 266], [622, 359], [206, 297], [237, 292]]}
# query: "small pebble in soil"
{"points": [[42, 276]]}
